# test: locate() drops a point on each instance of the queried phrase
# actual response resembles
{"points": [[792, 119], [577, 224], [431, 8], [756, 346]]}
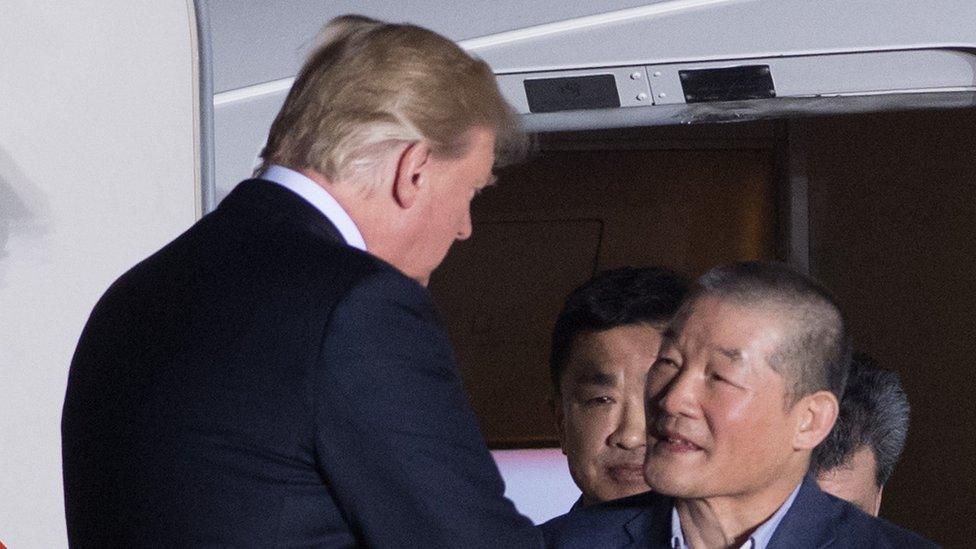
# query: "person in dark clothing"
{"points": [[859, 455], [604, 341], [747, 383], [276, 376]]}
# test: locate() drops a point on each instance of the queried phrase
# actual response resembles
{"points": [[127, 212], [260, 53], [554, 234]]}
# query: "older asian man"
{"points": [[746, 385]]}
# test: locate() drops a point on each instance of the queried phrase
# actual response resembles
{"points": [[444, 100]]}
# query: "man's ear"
{"points": [[816, 415], [556, 405], [410, 177]]}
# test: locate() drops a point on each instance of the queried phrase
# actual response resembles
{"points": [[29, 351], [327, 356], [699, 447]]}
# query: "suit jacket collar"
{"points": [[644, 530], [273, 206], [651, 527], [811, 521]]}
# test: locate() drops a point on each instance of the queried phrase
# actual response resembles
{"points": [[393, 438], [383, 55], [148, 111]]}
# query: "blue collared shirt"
{"points": [[759, 538], [314, 194]]}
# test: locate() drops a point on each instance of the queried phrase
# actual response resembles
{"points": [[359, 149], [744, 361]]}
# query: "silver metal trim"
{"points": [[741, 111], [208, 185], [798, 196]]}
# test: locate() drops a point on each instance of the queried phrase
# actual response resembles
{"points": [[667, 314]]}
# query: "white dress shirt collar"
{"points": [[314, 194], [759, 538]]}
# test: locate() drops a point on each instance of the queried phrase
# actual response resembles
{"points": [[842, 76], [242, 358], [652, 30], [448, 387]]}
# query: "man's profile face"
{"points": [[855, 481], [445, 214], [600, 410], [717, 418]]}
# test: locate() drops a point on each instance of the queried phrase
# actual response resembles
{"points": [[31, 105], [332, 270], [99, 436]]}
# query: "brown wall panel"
{"points": [[550, 224], [893, 233], [499, 293]]}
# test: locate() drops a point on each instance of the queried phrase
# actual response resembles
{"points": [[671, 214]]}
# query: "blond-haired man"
{"points": [[276, 375]]}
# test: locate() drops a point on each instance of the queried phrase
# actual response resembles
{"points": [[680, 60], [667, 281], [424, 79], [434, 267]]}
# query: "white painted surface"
{"points": [[260, 40], [259, 45], [683, 31], [538, 482], [97, 171]]}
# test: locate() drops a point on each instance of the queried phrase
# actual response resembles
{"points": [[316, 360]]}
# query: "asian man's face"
{"points": [[600, 410], [718, 422], [855, 481]]}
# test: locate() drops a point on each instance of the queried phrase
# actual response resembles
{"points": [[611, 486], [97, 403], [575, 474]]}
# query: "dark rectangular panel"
{"points": [[598, 91], [727, 84]]}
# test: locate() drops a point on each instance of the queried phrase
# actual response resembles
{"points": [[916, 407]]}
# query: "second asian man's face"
{"points": [[855, 481], [600, 410]]}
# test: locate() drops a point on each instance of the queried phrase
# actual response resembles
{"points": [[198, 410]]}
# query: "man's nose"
{"points": [[679, 396], [631, 431]]}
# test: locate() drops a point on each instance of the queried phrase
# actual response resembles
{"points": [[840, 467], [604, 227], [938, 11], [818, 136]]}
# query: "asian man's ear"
{"points": [[815, 416]]}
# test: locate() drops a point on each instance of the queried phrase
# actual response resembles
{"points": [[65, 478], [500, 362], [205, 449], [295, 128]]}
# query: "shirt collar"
{"points": [[759, 538], [314, 194]]}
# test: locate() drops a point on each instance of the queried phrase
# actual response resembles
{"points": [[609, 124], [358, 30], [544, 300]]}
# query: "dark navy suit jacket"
{"points": [[258, 383], [815, 520]]}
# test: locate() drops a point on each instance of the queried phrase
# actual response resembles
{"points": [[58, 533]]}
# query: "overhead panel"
{"points": [[769, 78], [692, 31], [825, 75], [555, 91], [668, 61]]}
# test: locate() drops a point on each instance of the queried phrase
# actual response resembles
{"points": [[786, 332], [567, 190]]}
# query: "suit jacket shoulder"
{"points": [[818, 519], [258, 383], [815, 520], [643, 520]]}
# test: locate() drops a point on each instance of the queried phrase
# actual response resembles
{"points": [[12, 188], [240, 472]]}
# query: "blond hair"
{"points": [[371, 86]]}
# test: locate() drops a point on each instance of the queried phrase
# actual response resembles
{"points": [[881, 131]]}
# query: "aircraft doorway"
{"points": [[587, 202]]}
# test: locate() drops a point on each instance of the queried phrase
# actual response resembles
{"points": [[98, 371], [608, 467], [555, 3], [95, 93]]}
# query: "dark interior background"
{"points": [[893, 234], [890, 214], [572, 211]]}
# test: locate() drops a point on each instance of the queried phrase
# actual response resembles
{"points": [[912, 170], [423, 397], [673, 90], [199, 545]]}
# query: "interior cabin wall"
{"points": [[893, 234], [891, 208], [589, 202]]}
